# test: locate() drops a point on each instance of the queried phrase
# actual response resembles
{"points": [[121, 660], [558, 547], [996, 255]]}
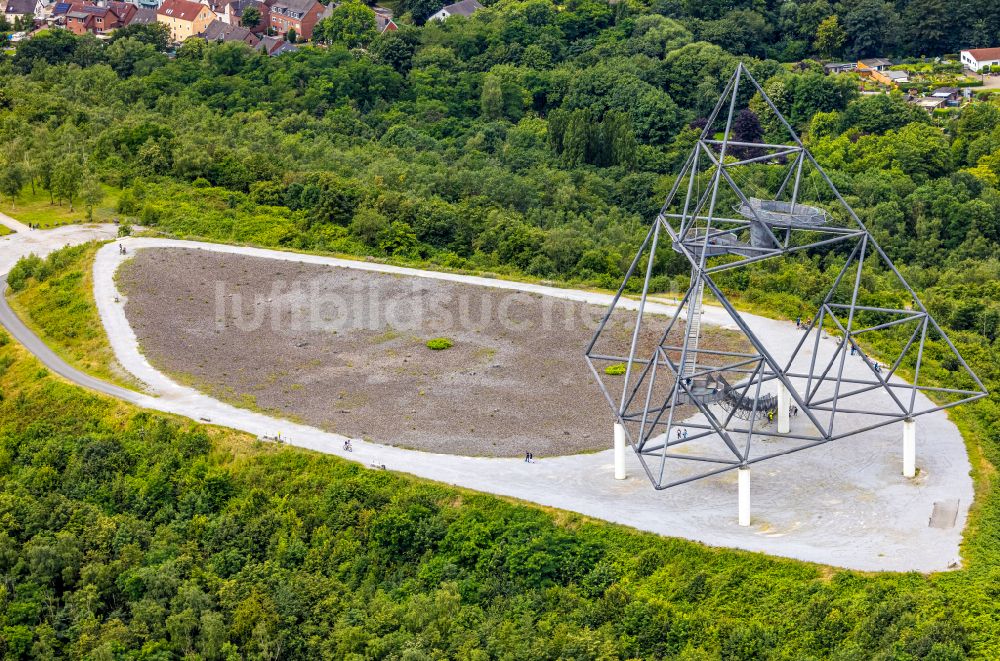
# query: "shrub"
{"points": [[615, 370], [26, 267], [439, 343]]}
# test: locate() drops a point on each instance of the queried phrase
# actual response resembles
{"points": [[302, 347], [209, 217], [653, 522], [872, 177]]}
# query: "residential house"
{"points": [[384, 23], [891, 78], [57, 15], [298, 15], [143, 16], [184, 18], [275, 46], [839, 67], [383, 20], [220, 32], [977, 58], [84, 17], [232, 13], [877, 69], [79, 21], [17, 8], [461, 8], [873, 64], [952, 96]]}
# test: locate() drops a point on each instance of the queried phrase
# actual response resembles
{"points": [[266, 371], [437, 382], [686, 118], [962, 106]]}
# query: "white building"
{"points": [[461, 8], [977, 58], [15, 8]]}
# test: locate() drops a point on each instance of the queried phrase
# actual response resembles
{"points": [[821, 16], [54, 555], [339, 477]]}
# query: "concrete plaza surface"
{"points": [[844, 503], [41, 242]]}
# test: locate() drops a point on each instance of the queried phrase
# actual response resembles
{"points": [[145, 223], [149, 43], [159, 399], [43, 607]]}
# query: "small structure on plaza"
{"points": [[737, 203]]}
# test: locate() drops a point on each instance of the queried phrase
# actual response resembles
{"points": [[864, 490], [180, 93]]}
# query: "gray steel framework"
{"points": [[676, 373]]}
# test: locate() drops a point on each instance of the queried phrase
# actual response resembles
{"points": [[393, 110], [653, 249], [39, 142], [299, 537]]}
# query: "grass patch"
{"points": [[616, 369], [389, 335], [4, 230], [54, 297], [36, 208], [439, 344]]}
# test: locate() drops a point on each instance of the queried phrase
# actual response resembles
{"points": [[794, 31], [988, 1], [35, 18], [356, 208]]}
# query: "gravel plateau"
{"points": [[346, 350]]}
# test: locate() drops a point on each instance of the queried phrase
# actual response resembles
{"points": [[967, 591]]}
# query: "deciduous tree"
{"points": [[251, 18], [830, 37], [351, 23], [67, 179], [12, 180]]}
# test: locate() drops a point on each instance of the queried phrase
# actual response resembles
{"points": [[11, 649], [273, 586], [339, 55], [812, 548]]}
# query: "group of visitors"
{"points": [[876, 367], [529, 457], [122, 250], [682, 434], [793, 411]]}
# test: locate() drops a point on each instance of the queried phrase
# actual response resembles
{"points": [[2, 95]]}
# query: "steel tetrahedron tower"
{"points": [[691, 408]]}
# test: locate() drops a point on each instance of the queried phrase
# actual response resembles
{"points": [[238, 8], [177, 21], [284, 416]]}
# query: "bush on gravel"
{"points": [[439, 344]]}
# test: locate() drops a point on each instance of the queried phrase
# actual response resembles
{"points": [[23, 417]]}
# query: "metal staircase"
{"points": [[693, 327], [712, 388], [744, 406]]}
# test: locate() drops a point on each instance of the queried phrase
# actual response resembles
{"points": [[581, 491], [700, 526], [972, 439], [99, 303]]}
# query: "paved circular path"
{"points": [[842, 504]]}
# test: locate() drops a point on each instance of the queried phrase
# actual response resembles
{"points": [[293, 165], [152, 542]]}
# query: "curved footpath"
{"points": [[842, 504], [13, 225]]}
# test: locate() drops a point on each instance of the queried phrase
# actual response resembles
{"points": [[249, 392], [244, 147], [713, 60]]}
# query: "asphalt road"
{"points": [[34, 344]]}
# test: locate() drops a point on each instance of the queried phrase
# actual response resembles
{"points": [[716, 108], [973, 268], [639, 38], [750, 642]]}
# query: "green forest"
{"points": [[133, 535], [534, 140]]}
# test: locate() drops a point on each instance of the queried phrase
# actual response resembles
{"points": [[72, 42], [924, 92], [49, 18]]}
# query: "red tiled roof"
{"points": [[182, 9], [981, 54]]}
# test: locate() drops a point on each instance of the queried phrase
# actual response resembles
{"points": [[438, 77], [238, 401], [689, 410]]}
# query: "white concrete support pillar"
{"points": [[619, 451], [784, 405], [909, 448], [744, 498]]}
